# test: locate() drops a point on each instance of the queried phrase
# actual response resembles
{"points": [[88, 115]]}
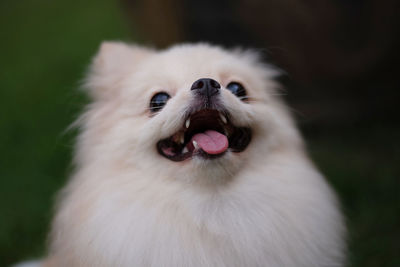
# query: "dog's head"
{"points": [[189, 112]]}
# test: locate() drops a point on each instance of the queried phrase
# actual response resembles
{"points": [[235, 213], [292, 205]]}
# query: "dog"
{"points": [[188, 157]]}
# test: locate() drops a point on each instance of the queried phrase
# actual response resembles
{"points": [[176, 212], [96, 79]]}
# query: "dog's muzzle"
{"points": [[207, 131]]}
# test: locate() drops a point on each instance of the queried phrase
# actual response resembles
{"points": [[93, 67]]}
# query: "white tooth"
{"points": [[182, 139], [185, 150], [187, 124], [223, 118], [196, 146]]}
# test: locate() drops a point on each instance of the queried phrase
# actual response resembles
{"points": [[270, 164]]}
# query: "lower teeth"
{"points": [[196, 146]]}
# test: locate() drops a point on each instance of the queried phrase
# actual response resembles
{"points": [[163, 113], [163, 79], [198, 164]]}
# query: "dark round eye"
{"points": [[158, 101], [238, 90]]}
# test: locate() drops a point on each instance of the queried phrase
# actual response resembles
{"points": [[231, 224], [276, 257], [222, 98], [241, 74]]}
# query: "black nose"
{"points": [[207, 87]]}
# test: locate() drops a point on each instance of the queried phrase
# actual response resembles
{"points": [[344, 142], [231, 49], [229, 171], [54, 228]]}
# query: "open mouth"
{"points": [[207, 133]]}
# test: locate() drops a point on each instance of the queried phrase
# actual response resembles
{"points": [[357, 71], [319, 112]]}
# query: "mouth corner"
{"points": [[206, 133]]}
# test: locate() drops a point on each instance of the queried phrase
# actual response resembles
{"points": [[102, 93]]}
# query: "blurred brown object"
{"points": [[341, 54], [325, 38], [156, 20]]}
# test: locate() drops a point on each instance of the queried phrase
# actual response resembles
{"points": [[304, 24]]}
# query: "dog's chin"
{"points": [[206, 136]]}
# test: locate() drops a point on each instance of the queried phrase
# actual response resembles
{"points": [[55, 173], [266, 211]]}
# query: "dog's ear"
{"points": [[112, 63]]}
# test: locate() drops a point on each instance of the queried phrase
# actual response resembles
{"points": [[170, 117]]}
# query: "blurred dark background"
{"points": [[341, 77]]}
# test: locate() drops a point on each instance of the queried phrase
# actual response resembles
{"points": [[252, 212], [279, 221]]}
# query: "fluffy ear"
{"points": [[113, 61]]}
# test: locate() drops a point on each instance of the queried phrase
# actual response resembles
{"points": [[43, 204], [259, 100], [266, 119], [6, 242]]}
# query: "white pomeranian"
{"points": [[187, 157]]}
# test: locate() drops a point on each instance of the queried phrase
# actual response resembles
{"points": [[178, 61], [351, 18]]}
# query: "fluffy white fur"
{"points": [[127, 205]]}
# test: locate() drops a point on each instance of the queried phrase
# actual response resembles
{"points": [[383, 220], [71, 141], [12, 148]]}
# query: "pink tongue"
{"points": [[212, 142]]}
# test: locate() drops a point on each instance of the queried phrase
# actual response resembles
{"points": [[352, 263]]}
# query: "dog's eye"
{"points": [[238, 90], [158, 101]]}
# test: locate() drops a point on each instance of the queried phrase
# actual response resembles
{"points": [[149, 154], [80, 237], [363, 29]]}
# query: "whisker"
{"points": [[279, 94]]}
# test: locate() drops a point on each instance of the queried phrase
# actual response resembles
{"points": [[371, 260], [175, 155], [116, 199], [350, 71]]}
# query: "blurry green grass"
{"points": [[45, 49]]}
